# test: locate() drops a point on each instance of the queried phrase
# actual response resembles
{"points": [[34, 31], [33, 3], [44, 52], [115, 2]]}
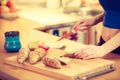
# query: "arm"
{"points": [[112, 44], [88, 23], [92, 51], [99, 18]]}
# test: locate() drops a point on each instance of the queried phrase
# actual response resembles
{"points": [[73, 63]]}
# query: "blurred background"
{"points": [[59, 16]]}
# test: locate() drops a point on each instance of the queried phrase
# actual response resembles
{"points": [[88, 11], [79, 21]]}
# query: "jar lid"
{"points": [[12, 33], [15, 33]]}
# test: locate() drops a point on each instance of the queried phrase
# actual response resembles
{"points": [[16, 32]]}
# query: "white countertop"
{"points": [[47, 16]]}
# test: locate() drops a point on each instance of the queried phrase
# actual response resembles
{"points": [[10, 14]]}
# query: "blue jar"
{"points": [[12, 41]]}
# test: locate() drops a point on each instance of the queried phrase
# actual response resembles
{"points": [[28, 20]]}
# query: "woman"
{"points": [[110, 36]]}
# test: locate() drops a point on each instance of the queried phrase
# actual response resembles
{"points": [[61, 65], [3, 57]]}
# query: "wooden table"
{"points": [[27, 34]]}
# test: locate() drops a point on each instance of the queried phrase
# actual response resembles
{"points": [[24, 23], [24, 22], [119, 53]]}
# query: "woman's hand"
{"points": [[90, 51], [86, 23]]}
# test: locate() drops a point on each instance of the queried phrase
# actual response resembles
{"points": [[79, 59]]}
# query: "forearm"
{"points": [[112, 44], [99, 18]]}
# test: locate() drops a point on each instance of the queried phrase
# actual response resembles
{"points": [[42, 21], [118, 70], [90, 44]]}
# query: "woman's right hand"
{"points": [[84, 24]]}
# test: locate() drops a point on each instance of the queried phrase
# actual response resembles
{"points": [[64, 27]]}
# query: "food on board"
{"points": [[23, 55], [36, 55], [52, 62]]}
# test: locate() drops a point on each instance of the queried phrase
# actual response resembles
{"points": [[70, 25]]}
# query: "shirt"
{"points": [[112, 13]]}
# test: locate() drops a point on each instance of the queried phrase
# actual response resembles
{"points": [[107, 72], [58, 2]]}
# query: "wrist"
{"points": [[98, 18], [103, 51]]}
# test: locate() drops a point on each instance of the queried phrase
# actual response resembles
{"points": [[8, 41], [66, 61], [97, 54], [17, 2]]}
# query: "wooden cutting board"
{"points": [[76, 70]]}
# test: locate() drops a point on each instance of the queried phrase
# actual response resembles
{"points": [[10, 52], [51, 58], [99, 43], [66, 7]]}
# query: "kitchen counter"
{"points": [[51, 18], [60, 18], [28, 34]]}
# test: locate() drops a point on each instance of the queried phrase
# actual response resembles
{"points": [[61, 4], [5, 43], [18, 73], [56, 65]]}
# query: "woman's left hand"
{"points": [[90, 51]]}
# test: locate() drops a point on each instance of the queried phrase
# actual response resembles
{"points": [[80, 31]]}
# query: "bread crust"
{"points": [[36, 55], [23, 55], [52, 62]]}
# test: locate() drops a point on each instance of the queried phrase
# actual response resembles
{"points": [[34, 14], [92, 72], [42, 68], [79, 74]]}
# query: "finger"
{"points": [[80, 55], [77, 52], [84, 55], [87, 54], [82, 29], [79, 24], [89, 57], [76, 25]]}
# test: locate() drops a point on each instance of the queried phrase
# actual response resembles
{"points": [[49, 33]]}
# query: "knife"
{"points": [[73, 31]]}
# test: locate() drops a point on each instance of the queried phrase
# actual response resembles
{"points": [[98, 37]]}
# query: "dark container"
{"points": [[12, 41]]}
